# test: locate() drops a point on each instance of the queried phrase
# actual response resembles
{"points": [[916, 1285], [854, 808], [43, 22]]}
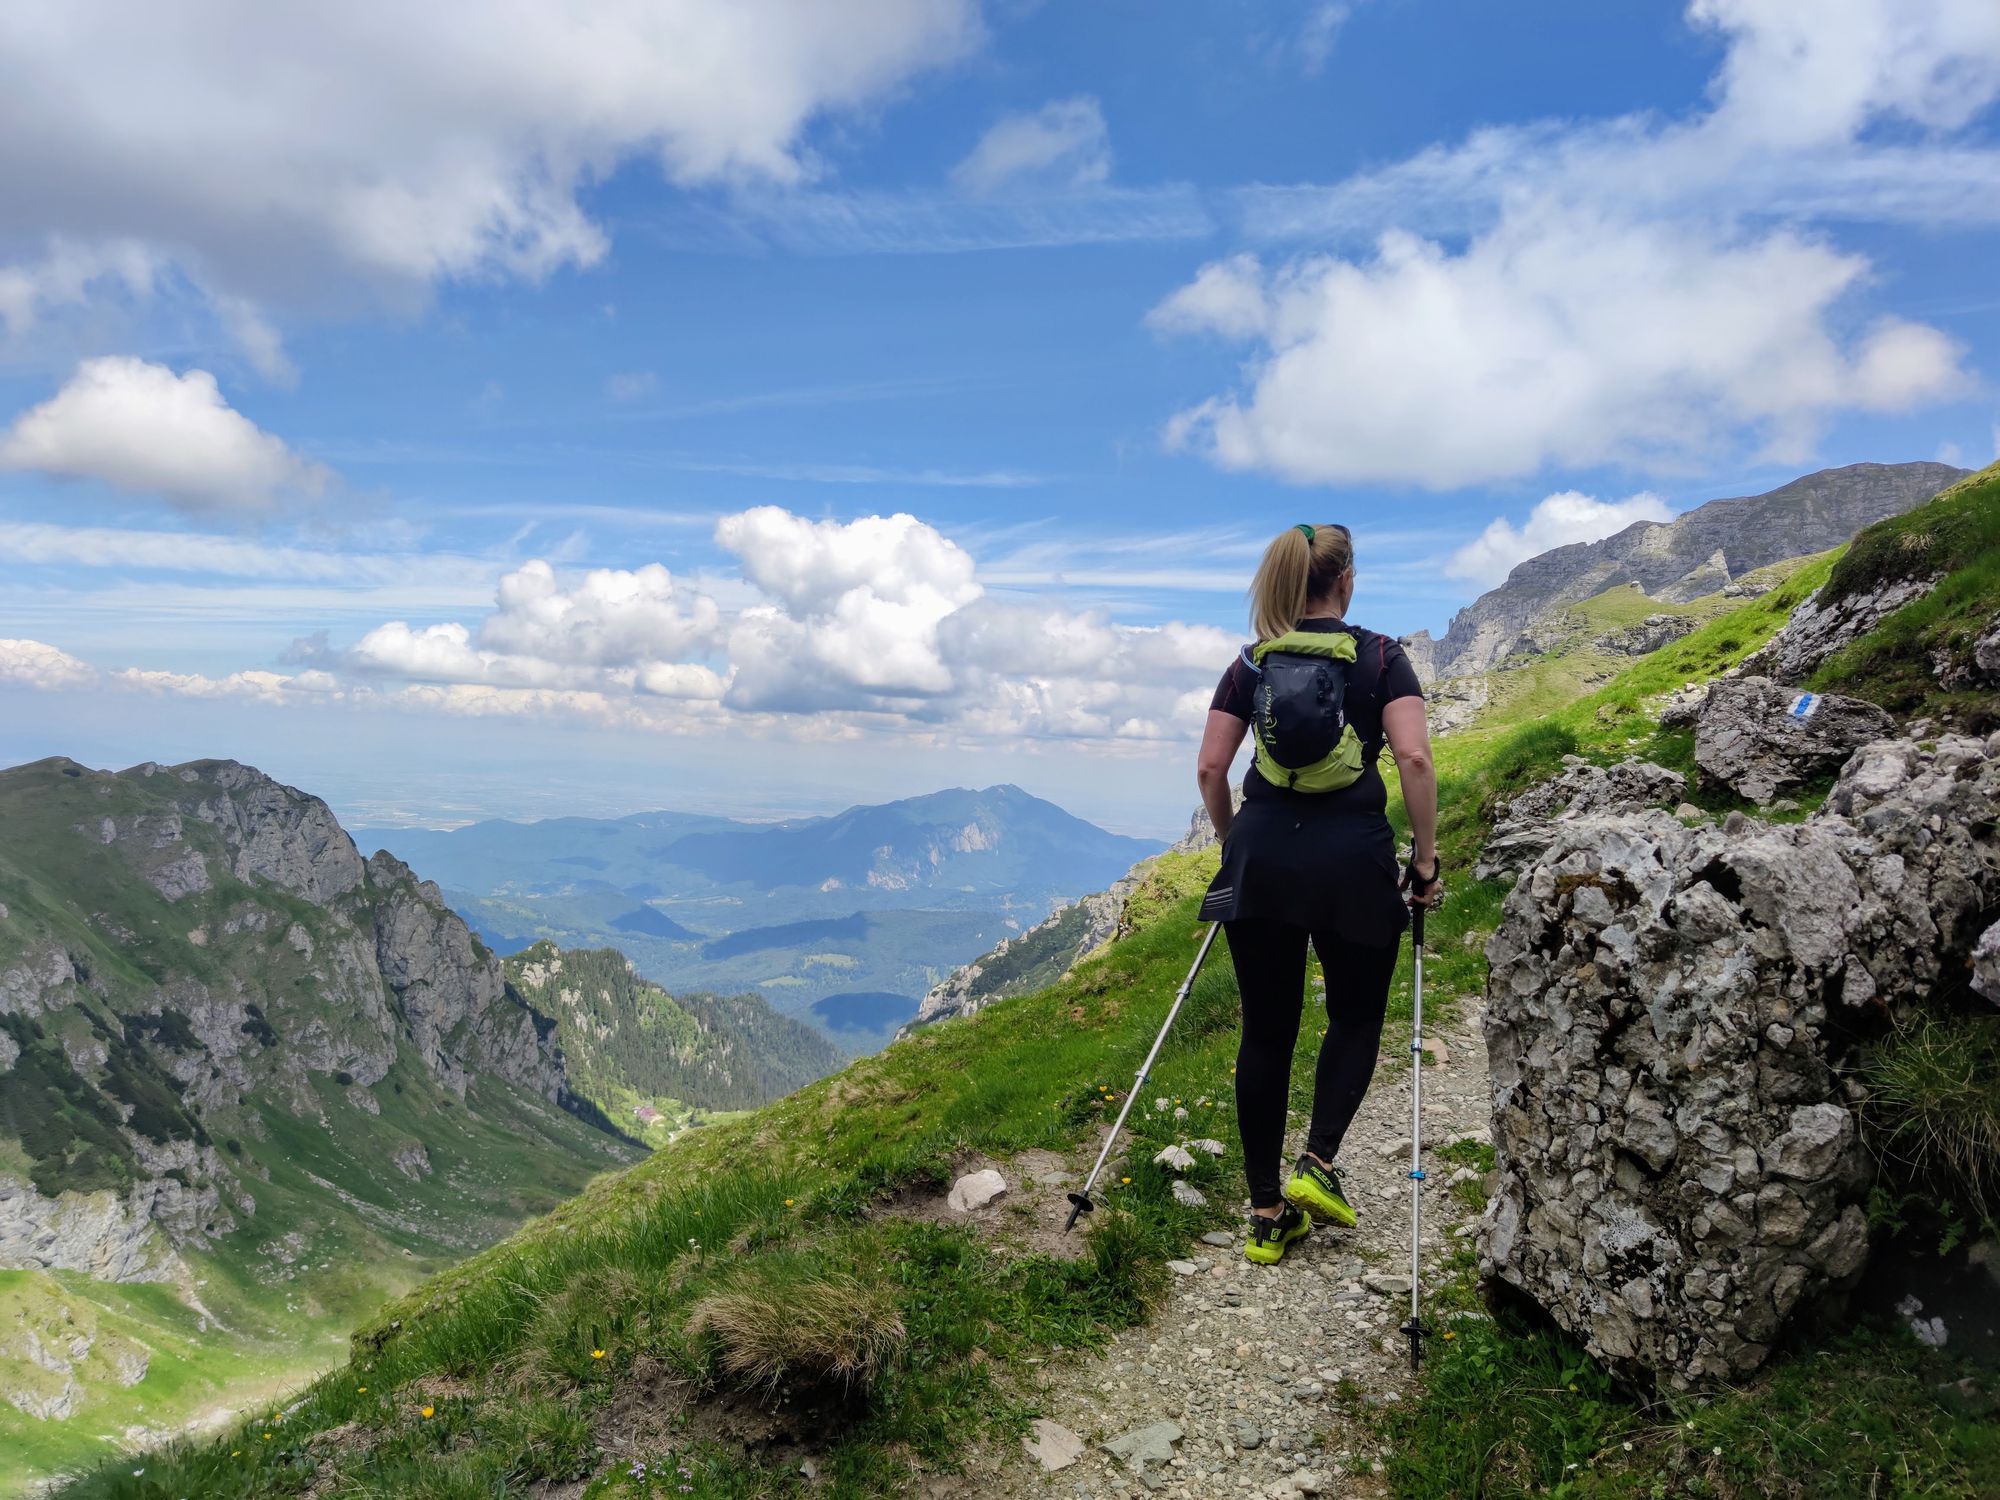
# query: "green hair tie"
{"points": [[1309, 532]]}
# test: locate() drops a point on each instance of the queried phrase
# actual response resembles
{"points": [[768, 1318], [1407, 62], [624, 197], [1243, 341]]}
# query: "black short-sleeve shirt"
{"points": [[1324, 861], [1380, 675]]}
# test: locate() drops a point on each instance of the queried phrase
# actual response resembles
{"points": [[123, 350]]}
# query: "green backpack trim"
{"points": [[1340, 767]]}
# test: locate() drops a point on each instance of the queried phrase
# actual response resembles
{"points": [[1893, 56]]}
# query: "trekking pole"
{"points": [[1415, 1328], [1082, 1199]]}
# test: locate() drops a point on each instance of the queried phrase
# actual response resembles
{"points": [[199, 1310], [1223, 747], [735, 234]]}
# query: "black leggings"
{"points": [[1270, 960]]}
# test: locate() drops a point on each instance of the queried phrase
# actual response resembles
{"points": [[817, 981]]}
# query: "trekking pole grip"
{"points": [[1417, 925]]}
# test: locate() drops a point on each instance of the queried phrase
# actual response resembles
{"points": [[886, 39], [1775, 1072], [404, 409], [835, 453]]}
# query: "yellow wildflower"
{"points": [[1124, 1179], [788, 1203], [429, 1412], [597, 1354]]}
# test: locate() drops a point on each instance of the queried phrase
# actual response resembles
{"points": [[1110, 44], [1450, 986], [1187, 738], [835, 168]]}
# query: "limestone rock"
{"points": [[1645, 636], [180, 877], [1145, 1445], [1761, 739], [1527, 824], [1985, 655], [1822, 625], [453, 995], [1052, 1445], [102, 1234], [1709, 576], [1986, 964], [1456, 702], [975, 1190], [1678, 1168]]}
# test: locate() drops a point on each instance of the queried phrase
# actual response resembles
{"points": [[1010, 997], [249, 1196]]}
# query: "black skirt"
{"points": [[1321, 868]]}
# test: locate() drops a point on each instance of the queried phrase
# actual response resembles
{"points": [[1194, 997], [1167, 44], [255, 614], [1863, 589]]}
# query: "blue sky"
{"points": [[773, 405]]}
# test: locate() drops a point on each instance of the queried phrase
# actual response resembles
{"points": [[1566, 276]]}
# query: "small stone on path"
{"points": [[1145, 1445], [1386, 1285], [1222, 1239], [1052, 1445], [1185, 1267], [1245, 1434], [976, 1190]]}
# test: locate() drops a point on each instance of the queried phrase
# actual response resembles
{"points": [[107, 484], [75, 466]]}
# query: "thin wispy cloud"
{"points": [[941, 223], [836, 473]]}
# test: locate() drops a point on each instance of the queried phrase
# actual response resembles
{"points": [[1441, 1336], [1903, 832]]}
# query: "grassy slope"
{"points": [[498, 1157], [706, 1255], [626, 1042]]}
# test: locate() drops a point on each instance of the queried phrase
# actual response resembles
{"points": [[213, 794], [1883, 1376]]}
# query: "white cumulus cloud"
{"points": [[1557, 521], [857, 606], [1064, 143], [1621, 294], [140, 427], [36, 664], [1560, 338], [278, 144]]}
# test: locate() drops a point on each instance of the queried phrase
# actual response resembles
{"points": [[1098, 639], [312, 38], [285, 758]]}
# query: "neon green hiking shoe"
{"points": [[1269, 1238], [1318, 1188]]}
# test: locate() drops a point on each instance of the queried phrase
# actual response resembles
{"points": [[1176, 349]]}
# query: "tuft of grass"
{"points": [[787, 1319], [1933, 1108]]}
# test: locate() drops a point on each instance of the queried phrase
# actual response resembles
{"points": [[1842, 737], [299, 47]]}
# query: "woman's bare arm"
{"points": [[1219, 743], [1409, 735]]}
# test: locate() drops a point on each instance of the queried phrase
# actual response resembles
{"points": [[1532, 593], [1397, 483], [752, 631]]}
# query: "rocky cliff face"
{"points": [[1670, 1012], [182, 947], [1697, 553]]}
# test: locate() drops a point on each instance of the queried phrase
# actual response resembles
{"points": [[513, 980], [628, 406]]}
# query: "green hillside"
{"points": [[628, 1046], [227, 1058], [621, 1339]]}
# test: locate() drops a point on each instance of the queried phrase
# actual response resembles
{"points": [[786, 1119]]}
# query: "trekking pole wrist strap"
{"points": [[1414, 877]]}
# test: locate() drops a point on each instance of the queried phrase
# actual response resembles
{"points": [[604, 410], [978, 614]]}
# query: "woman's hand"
{"points": [[1421, 887]]}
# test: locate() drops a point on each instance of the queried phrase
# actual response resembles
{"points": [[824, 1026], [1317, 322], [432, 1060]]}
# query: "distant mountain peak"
{"points": [[1698, 552]]}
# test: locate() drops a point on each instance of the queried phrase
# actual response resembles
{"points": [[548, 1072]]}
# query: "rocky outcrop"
{"points": [[51, 1344], [1645, 636], [276, 833], [305, 974], [1456, 703], [1986, 964], [1710, 576], [1958, 670], [1525, 826], [1698, 552], [103, 1234], [1823, 624], [451, 991], [1667, 1012], [1761, 740]]}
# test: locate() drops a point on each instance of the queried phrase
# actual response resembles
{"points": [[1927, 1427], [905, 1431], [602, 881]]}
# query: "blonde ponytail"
{"points": [[1302, 564]]}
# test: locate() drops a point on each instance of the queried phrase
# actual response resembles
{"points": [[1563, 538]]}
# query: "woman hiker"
{"points": [[1309, 857]]}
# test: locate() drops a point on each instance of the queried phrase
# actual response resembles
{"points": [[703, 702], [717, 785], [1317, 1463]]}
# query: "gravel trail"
{"points": [[1249, 1380]]}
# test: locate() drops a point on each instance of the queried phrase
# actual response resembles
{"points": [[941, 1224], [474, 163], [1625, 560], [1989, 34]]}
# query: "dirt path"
{"points": [[1263, 1370]]}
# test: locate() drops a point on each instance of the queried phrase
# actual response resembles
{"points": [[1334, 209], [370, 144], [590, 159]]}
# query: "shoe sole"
{"points": [[1270, 1254], [1308, 1195]]}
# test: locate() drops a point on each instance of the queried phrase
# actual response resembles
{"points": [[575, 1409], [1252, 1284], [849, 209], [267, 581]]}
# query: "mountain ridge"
{"points": [[1699, 552]]}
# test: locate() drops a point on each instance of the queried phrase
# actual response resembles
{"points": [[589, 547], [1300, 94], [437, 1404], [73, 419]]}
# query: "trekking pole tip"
{"points": [[1083, 1206]]}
